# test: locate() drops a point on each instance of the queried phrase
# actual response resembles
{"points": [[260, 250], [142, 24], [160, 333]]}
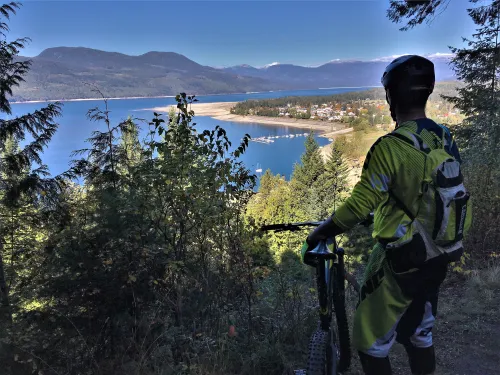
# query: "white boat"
{"points": [[258, 169], [291, 135]]}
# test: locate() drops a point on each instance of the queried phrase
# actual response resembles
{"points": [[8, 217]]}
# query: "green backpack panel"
{"points": [[443, 216]]}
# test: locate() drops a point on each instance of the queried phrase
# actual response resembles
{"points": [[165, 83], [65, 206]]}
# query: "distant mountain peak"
{"points": [[60, 73], [272, 64], [432, 56], [341, 61], [59, 51], [440, 56], [160, 53], [388, 58]]}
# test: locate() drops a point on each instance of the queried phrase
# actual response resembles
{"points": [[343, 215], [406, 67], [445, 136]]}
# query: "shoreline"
{"points": [[90, 99], [143, 97], [221, 111], [173, 96]]}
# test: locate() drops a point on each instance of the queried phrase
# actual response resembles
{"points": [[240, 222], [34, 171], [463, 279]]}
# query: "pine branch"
{"points": [[39, 121], [415, 12], [6, 10]]}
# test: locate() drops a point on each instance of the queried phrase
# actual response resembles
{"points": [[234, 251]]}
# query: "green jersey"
{"points": [[392, 166]]}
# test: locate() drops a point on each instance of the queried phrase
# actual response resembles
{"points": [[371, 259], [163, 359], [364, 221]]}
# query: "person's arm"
{"points": [[369, 192]]}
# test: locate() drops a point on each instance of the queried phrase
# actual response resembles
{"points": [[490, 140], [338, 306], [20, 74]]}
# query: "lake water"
{"points": [[75, 128]]}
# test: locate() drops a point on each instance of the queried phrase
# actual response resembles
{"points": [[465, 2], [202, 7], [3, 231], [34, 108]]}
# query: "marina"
{"points": [[270, 139]]}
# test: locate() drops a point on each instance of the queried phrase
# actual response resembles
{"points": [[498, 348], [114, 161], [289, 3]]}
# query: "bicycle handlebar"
{"points": [[291, 227]]}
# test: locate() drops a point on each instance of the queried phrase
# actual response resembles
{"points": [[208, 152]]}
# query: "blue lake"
{"points": [[75, 128]]}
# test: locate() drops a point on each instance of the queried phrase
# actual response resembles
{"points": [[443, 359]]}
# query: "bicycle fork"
{"points": [[327, 279]]}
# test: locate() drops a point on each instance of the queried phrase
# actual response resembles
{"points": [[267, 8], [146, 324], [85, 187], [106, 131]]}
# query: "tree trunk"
{"points": [[5, 312], [5, 318]]}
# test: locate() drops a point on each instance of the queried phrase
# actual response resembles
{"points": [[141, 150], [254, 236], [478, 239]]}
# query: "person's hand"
{"points": [[313, 240], [306, 258], [326, 230]]}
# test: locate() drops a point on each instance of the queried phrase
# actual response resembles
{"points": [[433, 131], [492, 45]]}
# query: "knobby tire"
{"points": [[344, 341], [317, 359]]}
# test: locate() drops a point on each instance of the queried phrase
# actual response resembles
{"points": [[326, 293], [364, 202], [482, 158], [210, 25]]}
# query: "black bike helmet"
{"points": [[408, 80], [408, 73]]}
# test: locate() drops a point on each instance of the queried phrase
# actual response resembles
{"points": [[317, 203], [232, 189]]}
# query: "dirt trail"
{"points": [[466, 336]]}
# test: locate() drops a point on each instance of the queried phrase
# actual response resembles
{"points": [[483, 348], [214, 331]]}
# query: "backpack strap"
{"points": [[398, 201], [402, 206], [400, 137]]}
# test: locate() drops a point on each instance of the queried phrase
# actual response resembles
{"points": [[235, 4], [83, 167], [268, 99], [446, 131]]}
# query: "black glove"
{"points": [[327, 229], [311, 243]]}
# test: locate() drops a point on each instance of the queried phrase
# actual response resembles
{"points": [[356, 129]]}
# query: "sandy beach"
{"points": [[221, 111]]}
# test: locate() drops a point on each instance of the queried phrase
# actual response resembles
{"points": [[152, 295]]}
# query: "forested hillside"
{"points": [[73, 73], [441, 88], [349, 73], [62, 73], [146, 257]]}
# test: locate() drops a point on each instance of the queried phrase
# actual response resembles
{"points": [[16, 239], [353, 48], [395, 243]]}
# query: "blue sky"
{"points": [[225, 33]]}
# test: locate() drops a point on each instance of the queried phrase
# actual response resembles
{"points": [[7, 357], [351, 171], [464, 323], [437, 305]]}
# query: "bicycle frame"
{"points": [[326, 263], [329, 347], [328, 274]]}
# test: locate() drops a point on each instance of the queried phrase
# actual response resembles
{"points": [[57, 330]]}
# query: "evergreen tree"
{"points": [[311, 166], [19, 180], [331, 186], [130, 144], [304, 181], [267, 183], [478, 66], [336, 173]]}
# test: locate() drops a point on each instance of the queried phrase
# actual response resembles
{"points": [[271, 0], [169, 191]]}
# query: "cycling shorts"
{"points": [[396, 306]]}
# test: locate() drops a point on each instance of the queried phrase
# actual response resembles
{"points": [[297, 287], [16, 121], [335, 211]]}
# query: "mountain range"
{"points": [[73, 72]]}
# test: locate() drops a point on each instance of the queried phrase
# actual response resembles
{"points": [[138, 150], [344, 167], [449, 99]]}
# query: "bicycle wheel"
{"points": [[322, 358], [342, 331]]}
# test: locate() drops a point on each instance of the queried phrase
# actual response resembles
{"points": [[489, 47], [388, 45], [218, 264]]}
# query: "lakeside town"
{"points": [[341, 112], [362, 109]]}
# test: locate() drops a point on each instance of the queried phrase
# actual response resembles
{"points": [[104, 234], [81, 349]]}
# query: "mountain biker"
{"points": [[398, 299]]}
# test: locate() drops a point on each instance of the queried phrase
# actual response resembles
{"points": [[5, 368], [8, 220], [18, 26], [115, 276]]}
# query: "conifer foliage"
{"points": [[24, 180]]}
